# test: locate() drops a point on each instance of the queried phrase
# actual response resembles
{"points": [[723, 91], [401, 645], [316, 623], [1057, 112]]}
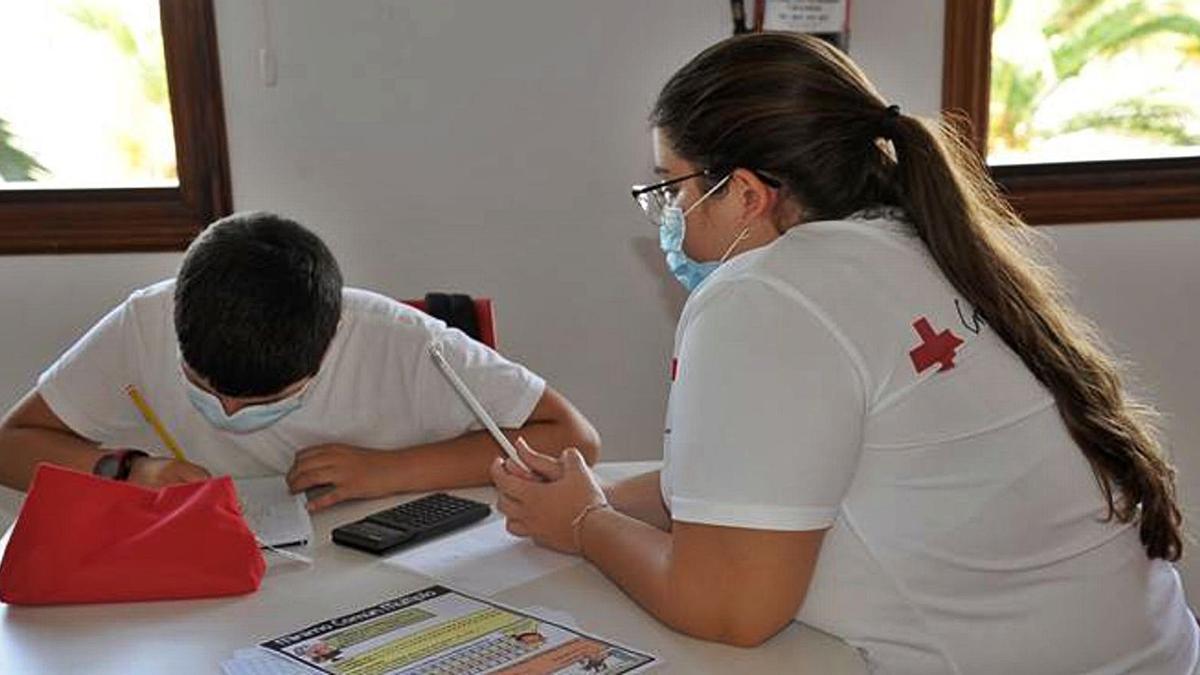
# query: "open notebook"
{"points": [[276, 516]]}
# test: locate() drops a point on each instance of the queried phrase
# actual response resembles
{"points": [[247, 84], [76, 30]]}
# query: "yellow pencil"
{"points": [[153, 421]]}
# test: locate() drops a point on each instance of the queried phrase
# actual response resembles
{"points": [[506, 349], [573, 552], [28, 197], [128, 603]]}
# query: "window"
{"points": [[1085, 109], [111, 126]]}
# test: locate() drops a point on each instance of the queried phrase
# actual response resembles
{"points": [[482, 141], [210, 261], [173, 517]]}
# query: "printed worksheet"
{"points": [[438, 631]]}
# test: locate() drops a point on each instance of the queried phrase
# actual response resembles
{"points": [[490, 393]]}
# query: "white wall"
{"points": [[488, 147]]}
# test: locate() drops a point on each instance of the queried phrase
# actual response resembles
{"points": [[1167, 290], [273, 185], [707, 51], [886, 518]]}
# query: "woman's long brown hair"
{"points": [[798, 109]]}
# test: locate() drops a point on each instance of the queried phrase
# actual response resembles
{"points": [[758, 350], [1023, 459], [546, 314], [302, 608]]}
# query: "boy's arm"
{"points": [[31, 433], [459, 462]]}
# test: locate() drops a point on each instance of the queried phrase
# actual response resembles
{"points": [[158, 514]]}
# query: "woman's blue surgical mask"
{"points": [[247, 420], [672, 228]]}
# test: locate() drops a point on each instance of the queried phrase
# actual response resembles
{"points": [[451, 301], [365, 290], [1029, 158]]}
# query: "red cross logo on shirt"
{"points": [[935, 348]]}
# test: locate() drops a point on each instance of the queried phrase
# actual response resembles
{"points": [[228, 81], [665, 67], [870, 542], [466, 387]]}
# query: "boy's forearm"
{"points": [[31, 433], [21, 449], [464, 461]]}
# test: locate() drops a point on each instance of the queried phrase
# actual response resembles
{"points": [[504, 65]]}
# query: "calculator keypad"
{"points": [[411, 522]]}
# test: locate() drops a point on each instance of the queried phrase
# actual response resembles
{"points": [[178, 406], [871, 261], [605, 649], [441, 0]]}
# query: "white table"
{"points": [[194, 636]]}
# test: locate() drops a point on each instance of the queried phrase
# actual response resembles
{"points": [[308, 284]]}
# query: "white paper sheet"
{"points": [[276, 516], [484, 559], [255, 661], [564, 618]]}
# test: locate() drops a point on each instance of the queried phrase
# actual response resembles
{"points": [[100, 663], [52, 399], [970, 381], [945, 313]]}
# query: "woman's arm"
{"points": [[733, 585], [726, 584], [640, 497]]}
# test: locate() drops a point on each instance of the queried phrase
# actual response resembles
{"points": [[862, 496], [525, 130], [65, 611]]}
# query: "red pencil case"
{"points": [[81, 538]]}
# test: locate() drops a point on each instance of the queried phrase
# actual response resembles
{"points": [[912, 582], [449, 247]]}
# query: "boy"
{"points": [[259, 362]]}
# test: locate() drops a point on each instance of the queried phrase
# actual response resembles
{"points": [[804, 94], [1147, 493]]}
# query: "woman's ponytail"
{"points": [[798, 109], [984, 250]]}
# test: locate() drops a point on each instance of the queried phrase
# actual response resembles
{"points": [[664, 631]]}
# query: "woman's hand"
{"points": [[545, 506], [354, 473]]}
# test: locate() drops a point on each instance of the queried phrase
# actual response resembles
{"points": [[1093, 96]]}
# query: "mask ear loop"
{"points": [[741, 235], [721, 183], [739, 239]]}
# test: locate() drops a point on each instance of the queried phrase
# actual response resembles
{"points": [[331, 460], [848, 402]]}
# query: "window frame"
{"points": [[1053, 193], [101, 220]]}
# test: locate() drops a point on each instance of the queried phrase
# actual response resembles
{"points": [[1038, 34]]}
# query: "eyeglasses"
{"points": [[654, 199]]}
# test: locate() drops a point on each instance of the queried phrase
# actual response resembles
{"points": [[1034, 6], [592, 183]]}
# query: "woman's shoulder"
{"points": [[865, 265], [833, 255], [870, 232]]}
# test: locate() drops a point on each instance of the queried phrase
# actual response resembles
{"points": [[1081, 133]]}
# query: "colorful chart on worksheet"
{"points": [[438, 631]]}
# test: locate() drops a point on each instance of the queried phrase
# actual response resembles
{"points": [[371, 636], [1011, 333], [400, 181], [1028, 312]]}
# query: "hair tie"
{"points": [[887, 126]]}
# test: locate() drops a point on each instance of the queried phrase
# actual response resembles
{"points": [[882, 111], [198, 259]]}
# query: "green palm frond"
{"points": [[108, 22], [1000, 12], [1015, 92], [1077, 33], [15, 164], [1191, 50], [1183, 25], [154, 82], [144, 51], [1114, 32], [1068, 16], [1138, 117], [1070, 51]]}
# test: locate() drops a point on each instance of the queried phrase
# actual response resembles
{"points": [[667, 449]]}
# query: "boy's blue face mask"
{"points": [[672, 228], [247, 420]]}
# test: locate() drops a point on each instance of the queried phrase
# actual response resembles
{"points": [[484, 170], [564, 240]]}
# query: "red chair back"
{"points": [[483, 314]]}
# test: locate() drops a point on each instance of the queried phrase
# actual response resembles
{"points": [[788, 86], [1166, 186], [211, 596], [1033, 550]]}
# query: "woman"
{"points": [[884, 421]]}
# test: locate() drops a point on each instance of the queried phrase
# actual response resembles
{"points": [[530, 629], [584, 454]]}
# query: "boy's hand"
{"points": [[354, 473], [159, 471]]}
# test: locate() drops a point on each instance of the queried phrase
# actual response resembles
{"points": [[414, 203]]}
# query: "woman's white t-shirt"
{"points": [[835, 379], [377, 386]]}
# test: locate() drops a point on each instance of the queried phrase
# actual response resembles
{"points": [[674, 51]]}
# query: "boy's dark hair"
{"points": [[257, 302]]}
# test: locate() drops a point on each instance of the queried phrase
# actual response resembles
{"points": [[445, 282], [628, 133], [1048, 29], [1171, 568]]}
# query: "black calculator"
{"points": [[410, 523]]}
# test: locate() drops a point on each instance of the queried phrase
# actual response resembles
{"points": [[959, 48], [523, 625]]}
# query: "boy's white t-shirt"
{"points": [[835, 379], [377, 386]]}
